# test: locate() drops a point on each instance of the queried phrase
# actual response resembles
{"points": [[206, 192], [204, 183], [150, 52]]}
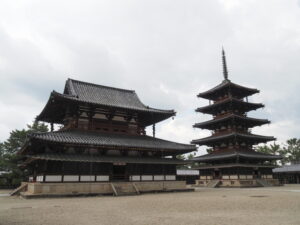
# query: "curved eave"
{"points": [[54, 110], [250, 122], [106, 141], [235, 136], [213, 93], [223, 156], [104, 159], [232, 103], [232, 165]]}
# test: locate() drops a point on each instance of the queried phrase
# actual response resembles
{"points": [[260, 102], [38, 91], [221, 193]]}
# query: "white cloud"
{"points": [[167, 51]]}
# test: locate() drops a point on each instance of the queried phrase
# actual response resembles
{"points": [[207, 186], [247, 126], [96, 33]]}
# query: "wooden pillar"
{"points": [[35, 172], [153, 130], [45, 170], [51, 126], [63, 171], [90, 118], [77, 119]]}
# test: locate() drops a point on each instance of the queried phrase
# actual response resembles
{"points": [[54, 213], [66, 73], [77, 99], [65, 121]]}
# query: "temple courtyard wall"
{"points": [[205, 206]]}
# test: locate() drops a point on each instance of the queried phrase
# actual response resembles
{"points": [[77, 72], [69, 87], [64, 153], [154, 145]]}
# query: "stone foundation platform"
{"points": [[107, 188], [237, 183]]}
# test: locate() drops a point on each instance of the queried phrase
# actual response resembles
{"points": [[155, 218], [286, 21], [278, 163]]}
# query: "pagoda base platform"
{"points": [[37, 189], [237, 183]]}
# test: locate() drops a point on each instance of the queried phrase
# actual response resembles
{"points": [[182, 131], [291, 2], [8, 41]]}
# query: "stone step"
{"points": [[124, 189], [263, 183], [213, 183], [22, 187]]}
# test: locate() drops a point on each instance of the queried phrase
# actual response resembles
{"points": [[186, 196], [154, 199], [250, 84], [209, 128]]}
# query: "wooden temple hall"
{"points": [[233, 160], [102, 143]]}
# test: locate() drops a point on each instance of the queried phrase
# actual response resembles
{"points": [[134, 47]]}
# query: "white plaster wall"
{"points": [[87, 178], [170, 177], [102, 178], [146, 177], [70, 178], [53, 178], [159, 177]]}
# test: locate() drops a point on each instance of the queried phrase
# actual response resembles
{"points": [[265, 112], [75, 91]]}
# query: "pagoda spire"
{"points": [[225, 71]]}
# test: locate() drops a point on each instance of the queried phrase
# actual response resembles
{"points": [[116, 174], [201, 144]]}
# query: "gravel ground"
{"points": [[259, 206]]}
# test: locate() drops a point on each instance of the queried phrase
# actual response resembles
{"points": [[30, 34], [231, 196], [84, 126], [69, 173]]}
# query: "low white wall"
{"points": [[71, 178]]}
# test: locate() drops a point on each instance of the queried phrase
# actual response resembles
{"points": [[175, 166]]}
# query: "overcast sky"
{"points": [[166, 50]]}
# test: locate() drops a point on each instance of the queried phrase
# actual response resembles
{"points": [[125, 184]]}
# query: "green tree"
{"points": [[273, 149], [17, 137], [1, 149], [190, 157], [8, 152], [291, 150], [209, 150], [182, 157]]}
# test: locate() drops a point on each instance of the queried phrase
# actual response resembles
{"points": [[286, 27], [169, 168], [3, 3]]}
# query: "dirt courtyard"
{"points": [[260, 206]]}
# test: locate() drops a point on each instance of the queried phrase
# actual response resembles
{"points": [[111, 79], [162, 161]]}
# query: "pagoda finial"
{"points": [[225, 72]]}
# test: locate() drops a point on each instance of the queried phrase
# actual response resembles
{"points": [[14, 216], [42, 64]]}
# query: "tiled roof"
{"points": [[102, 139], [105, 159], [98, 96], [251, 122], [232, 165], [232, 103], [108, 96], [244, 91], [234, 154], [233, 135], [287, 169]]}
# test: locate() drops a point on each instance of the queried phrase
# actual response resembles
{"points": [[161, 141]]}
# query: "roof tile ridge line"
{"points": [[164, 110], [254, 135], [242, 86], [146, 107], [234, 115], [61, 94], [71, 87], [191, 145], [104, 86], [37, 133]]}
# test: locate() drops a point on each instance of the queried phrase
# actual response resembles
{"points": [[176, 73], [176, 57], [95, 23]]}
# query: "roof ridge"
{"points": [[99, 85]]}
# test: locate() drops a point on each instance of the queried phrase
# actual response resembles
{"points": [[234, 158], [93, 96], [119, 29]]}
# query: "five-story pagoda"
{"points": [[232, 160]]}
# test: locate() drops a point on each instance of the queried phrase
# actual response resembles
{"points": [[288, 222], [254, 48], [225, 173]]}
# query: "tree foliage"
{"points": [[8, 153], [209, 150], [17, 137], [290, 151]]}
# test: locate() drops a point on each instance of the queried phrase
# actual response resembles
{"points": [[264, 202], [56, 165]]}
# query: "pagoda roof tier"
{"points": [[108, 141], [102, 97], [233, 137], [235, 154], [229, 119], [102, 159], [228, 87], [230, 104]]}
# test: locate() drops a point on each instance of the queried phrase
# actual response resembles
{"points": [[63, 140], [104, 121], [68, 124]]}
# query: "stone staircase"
{"points": [[22, 187], [120, 189], [263, 183], [213, 183]]}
